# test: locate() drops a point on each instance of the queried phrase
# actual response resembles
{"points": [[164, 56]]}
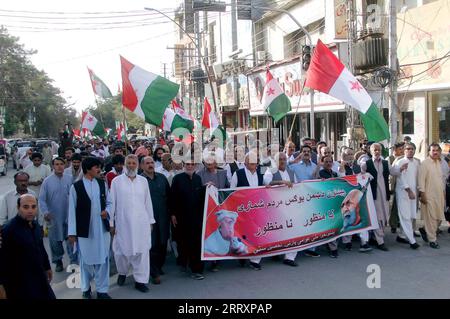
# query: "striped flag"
{"points": [[327, 74], [99, 86]]}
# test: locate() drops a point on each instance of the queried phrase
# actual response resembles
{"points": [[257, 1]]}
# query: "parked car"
{"points": [[40, 145]]}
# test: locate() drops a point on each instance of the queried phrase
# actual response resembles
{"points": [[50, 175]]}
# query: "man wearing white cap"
{"points": [[245, 177], [222, 241]]}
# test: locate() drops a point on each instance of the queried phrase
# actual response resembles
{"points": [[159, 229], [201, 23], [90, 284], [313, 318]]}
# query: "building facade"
{"points": [[237, 48], [424, 88]]}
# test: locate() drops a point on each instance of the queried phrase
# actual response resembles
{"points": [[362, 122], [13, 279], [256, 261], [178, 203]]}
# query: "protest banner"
{"points": [[266, 221]]}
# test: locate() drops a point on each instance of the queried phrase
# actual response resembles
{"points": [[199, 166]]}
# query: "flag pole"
{"points": [[96, 101], [296, 109], [99, 113], [125, 129]]}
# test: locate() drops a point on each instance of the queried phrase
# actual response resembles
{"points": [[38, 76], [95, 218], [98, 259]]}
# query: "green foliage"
{"points": [[23, 86], [110, 110]]}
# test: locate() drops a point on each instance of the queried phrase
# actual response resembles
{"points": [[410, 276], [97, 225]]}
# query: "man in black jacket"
{"points": [[159, 193], [25, 271], [187, 201]]}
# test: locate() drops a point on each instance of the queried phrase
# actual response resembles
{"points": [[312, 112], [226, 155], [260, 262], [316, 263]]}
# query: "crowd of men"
{"points": [[114, 208]]}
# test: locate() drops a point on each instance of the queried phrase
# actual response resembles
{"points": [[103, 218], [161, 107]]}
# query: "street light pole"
{"points": [[311, 114], [254, 7], [198, 49], [2, 120], [393, 66]]}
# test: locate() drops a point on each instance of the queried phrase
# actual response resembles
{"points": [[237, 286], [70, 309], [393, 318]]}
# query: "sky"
{"points": [[65, 55]]}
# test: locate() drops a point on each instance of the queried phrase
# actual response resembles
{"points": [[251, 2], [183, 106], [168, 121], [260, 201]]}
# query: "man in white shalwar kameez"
{"points": [[407, 170], [380, 170], [132, 217]]}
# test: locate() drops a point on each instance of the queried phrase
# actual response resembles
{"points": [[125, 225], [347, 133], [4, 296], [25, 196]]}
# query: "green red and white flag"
{"points": [[76, 133], [121, 134], [327, 74], [173, 120], [90, 123], [83, 132], [146, 94], [209, 119], [107, 131], [180, 111], [274, 100], [99, 86]]}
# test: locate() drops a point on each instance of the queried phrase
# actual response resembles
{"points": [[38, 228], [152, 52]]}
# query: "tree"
{"points": [[23, 88], [110, 110]]}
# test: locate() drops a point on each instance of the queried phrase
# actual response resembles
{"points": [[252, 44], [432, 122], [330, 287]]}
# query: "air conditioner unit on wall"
{"points": [[261, 57], [371, 50]]}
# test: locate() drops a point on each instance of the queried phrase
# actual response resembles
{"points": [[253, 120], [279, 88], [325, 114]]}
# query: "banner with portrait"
{"points": [[266, 221]]}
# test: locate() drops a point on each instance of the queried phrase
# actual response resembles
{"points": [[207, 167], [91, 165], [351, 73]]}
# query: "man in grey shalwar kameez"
{"points": [[54, 205]]}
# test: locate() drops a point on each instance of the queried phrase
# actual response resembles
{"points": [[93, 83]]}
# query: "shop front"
{"points": [[424, 89]]}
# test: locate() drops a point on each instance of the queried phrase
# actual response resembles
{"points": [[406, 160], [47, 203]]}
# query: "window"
{"points": [[294, 41], [440, 116], [212, 43], [407, 122]]}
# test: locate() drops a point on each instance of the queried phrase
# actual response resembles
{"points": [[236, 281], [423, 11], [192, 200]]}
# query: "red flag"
{"points": [[76, 132], [209, 119], [188, 140]]}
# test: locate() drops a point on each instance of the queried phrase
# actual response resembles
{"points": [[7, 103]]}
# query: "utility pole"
{"points": [[199, 83], [164, 70], [393, 67], [234, 40], [234, 48], [351, 35]]}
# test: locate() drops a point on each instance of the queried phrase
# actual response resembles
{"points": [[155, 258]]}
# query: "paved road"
{"points": [[405, 273]]}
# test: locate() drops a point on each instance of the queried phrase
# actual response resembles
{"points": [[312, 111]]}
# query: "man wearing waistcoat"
{"points": [[249, 176], [89, 209], [232, 167], [282, 176], [379, 169]]}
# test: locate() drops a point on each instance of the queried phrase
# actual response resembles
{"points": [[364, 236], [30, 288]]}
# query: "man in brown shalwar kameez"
{"points": [[431, 192]]}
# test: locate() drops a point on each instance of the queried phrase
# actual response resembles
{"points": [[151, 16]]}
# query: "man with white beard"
{"points": [[132, 217]]}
